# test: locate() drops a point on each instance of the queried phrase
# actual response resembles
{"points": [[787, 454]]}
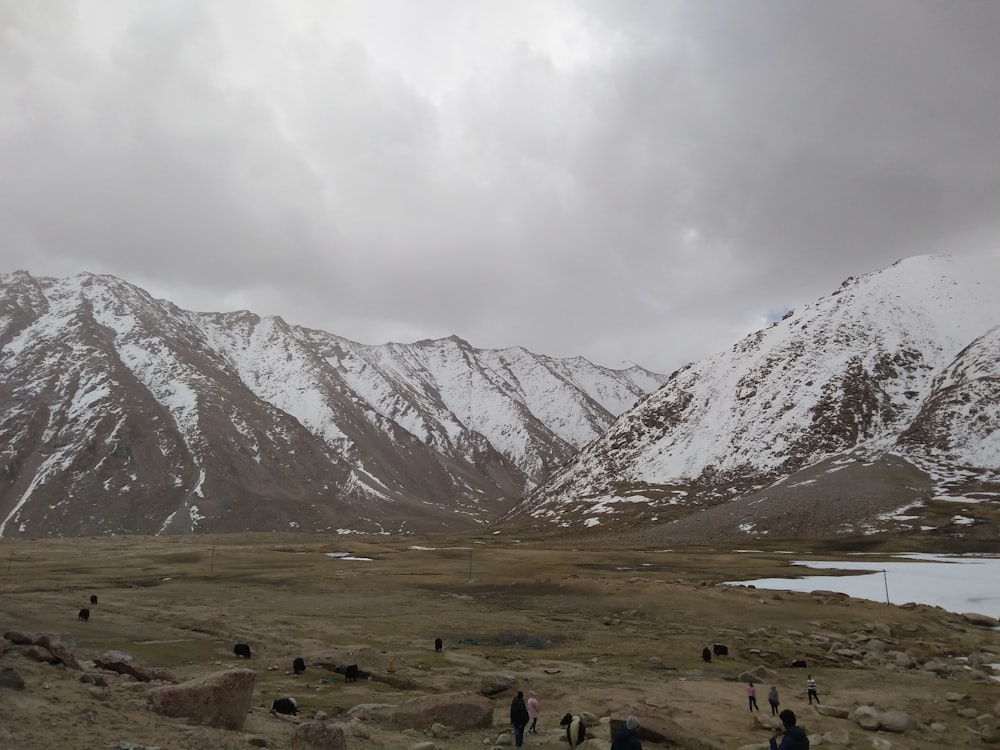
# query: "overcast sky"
{"points": [[626, 180]]}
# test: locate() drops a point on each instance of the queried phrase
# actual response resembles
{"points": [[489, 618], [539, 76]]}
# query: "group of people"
{"points": [[772, 695], [523, 713], [792, 736], [524, 718]]}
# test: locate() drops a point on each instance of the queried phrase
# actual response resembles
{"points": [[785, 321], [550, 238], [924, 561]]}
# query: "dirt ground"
{"points": [[609, 631]]}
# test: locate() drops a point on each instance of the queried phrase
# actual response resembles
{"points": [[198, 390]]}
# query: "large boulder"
{"points": [[867, 717], [457, 710], [59, 649], [493, 684], [897, 721], [220, 699], [318, 735]]}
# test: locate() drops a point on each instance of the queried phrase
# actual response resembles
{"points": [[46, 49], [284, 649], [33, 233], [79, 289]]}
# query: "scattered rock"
{"points": [[315, 735]]}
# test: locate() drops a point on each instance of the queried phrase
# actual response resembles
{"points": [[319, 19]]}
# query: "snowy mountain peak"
{"points": [[894, 368], [125, 414]]}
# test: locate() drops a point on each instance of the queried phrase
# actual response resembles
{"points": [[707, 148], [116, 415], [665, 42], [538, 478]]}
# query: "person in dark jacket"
{"points": [[627, 737], [793, 738], [772, 698], [518, 718]]}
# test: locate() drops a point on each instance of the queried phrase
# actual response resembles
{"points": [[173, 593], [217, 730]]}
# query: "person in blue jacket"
{"points": [[793, 738]]}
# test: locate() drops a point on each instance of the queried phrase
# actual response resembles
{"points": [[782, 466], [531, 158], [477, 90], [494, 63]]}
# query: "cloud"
{"points": [[632, 181]]}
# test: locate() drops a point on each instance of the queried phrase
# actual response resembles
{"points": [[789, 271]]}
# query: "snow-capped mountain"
{"points": [[882, 396], [125, 414]]}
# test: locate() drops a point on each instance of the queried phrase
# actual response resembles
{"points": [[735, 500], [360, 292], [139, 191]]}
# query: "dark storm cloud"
{"points": [[629, 181]]}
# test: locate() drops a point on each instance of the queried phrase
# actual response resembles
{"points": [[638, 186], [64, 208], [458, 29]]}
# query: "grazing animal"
{"points": [[438, 644], [719, 650], [242, 649], [706, 654], [286, 706], [298, 665], [351, 673], [576, 730], [93, 599], [84, 614], [799, 664]]}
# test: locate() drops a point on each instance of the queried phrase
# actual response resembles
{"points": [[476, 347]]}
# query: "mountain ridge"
{"points": [[126, 414]]}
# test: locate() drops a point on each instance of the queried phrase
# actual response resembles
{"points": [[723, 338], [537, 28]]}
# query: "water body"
{"points": [[956, 583]]}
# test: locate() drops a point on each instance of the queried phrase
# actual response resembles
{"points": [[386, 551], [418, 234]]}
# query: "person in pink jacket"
{"points": [[532, 711]]}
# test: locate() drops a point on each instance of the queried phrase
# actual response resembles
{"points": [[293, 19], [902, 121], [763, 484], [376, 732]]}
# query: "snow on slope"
{"points": [[850, 371]]}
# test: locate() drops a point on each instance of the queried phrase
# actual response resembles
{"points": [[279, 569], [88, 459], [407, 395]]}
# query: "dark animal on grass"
{"points": [[93, 599], [298, 665], [351, 673], [84, 614], [719, 650], [799, 664], [286, 706], [706, 654], [576, 730], [242, 650], [438, 644]]}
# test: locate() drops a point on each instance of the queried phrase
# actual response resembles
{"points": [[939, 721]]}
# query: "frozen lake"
{"points": [[956, 583]]}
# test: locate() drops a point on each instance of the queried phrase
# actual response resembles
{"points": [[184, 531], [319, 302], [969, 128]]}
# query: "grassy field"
{"points": [[590, 628]]}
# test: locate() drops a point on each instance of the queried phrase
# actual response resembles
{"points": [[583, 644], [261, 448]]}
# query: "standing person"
{"points": [[518, 718], [627, 737], [752, 697], [772, 698], [811, 689], [794, 737], [533, 711]]}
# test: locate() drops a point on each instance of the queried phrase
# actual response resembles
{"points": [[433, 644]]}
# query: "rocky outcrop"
{"points": [[974, 618], [140, 673], [221, 699], [457, 710]]}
